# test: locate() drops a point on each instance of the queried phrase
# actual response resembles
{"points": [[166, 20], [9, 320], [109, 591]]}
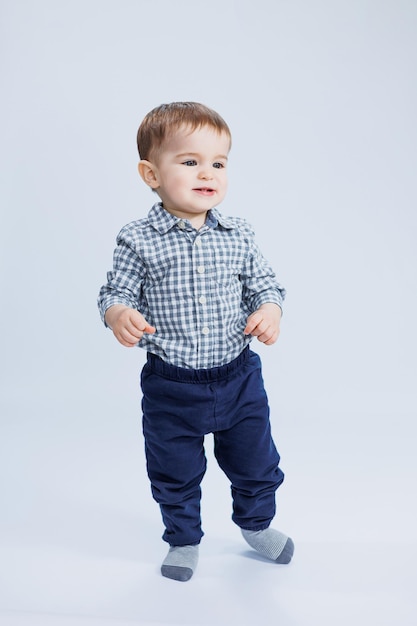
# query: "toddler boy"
{"points": [[192, 288]]}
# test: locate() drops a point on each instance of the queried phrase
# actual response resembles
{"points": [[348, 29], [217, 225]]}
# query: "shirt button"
{"points": [[181, 225], [205, 330], [198, 242], [200, 269], [202, 299]]}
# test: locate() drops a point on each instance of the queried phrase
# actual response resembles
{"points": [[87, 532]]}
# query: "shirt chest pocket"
{"points": [[227, 276]]}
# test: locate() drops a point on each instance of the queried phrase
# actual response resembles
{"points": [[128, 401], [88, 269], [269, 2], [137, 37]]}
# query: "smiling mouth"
{"points": [[206, 191]]}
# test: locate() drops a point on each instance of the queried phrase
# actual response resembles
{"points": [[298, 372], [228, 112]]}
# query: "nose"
{"points": [[205, 173]]}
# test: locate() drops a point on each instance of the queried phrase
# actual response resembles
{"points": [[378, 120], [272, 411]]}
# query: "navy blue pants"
{"points": [[180, 406]]}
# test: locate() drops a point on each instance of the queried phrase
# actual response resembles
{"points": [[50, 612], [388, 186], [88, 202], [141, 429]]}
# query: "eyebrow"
{"points": [[196, 154]]}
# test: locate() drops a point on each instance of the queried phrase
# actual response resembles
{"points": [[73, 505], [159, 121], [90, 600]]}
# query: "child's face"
{"points": [[189, 174]]}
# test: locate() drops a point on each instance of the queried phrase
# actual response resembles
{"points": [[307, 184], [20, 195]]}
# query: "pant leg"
{"points": [[175, 456], [245, 450]]}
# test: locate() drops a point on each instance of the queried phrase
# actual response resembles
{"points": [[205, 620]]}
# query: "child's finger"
{"points": [[252, 322], [140, 324]]}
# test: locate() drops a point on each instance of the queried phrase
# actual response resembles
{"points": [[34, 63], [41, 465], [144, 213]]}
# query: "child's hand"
{"points": [[128, 325], [264, 323]]}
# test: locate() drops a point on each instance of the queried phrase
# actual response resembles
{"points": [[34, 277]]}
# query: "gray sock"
{"points": [[270, 543], [180, 562]]}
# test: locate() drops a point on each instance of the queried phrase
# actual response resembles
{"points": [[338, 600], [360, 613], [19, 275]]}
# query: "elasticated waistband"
{"points": [[182, 374]]}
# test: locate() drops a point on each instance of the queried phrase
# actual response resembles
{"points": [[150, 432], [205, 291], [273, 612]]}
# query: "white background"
{"points": [[321, 100]]}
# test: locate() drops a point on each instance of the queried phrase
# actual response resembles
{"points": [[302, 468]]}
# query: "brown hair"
{"points": [[165, 119]]}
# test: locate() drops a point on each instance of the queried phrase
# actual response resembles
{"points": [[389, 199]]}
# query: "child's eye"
{"points": [[218, 166], [190, 163]]}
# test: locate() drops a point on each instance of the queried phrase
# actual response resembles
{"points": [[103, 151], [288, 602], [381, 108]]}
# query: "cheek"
{"points": [[174, 183], [180, 178]]}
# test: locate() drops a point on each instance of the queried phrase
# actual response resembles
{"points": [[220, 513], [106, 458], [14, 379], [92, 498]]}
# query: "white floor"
{"points": [[326, 584]]}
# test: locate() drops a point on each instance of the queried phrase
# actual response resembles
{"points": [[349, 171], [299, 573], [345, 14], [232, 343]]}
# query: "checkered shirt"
{"points": [[196, 287]]}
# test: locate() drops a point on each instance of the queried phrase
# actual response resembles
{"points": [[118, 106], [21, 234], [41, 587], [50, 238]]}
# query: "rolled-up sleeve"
{"points": [[124, 282], [258, 279]]}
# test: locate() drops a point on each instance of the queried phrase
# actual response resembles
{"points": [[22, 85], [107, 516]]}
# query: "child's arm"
{"points": [[264, 323], [127, 324]]}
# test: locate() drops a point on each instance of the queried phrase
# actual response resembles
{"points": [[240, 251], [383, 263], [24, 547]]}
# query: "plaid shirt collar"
{"points": [[163, 221]]}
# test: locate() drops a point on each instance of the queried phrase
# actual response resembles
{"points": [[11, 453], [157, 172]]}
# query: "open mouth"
{"points": [[205, 191]]}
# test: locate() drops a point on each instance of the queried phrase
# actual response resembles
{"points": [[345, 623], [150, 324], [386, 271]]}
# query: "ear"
{"points": [[148, 173]]}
